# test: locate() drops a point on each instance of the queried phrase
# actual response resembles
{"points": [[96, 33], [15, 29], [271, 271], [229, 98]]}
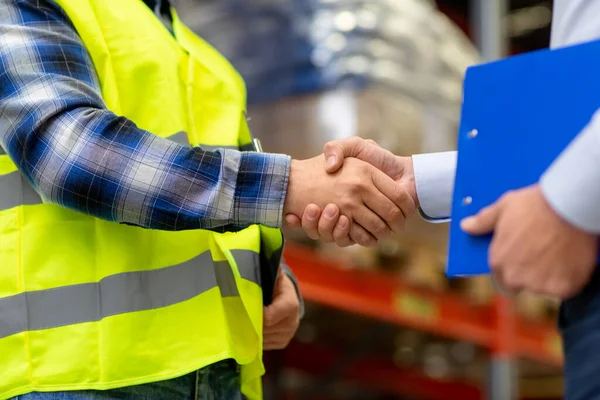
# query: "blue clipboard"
{"points": [[518, 115]]}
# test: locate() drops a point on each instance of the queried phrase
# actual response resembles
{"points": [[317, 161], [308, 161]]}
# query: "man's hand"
{"points": [[282, 316], [332, 225], [373, 203], [533, 248]]}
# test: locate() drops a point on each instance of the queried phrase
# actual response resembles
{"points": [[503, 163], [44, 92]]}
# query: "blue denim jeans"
{"points": [[579, 322], [220, 381]]}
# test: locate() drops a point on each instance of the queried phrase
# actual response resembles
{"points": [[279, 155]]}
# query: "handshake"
{"points": [[356, 192]]}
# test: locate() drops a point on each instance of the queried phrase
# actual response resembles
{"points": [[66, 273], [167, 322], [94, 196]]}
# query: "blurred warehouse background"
{"points": [[385, 323]]}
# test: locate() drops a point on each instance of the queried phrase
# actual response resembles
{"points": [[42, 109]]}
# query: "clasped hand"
{"points": [[358, 192]]}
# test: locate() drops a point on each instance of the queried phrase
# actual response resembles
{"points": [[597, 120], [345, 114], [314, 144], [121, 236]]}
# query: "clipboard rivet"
{"points": [[473, 133], [467, 200]]}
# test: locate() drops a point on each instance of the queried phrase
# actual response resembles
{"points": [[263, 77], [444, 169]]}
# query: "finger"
{"points": [[285, 304], [504, 278], [359, 235], [341, 232], [336, 151], [327, 222], [310, 221], [286, 326], [293, 221], [371, 222], [275, 344], [392, 203], [276, 312], [500, 287], [482, 223], [281, 331], [509, 284]]}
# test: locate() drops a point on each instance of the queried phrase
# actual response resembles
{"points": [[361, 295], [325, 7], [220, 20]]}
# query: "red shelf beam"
{"points": [[378, 374], [387, 298]]}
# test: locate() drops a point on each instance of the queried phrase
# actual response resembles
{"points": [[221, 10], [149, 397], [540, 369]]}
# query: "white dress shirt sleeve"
{"points": [[572, 183], [434, 180]]}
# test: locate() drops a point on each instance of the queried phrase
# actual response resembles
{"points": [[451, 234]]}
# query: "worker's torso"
{"points": [[90, 304]]}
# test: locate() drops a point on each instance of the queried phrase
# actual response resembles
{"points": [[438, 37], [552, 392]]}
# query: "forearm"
{"points": [[109, 168], [434, 180]]}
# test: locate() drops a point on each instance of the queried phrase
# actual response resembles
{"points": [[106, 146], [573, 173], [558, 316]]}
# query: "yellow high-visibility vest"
{"points": [[91, 304]]}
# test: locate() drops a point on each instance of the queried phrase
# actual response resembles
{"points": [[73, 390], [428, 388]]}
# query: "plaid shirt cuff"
{"points": [[261, 187]]}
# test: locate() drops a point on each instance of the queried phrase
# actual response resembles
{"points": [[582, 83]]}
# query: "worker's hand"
{"points": [[331, 225], [533, 248], [374, 204], [282, 316]]}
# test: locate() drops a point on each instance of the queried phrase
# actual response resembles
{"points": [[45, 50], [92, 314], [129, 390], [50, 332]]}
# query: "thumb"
{"points": [[272, 313], [276, 311], [482, 223], [337, 150]]}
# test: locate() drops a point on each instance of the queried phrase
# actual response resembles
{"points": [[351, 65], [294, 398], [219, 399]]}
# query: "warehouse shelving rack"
{"points": [[379, 296]]}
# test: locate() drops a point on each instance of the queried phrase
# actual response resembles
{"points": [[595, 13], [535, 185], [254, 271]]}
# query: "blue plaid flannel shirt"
{"points": [[76, 153]]}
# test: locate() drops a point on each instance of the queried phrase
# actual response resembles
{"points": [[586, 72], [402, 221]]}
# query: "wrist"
{"points": [[291, 197], [408, 178]]}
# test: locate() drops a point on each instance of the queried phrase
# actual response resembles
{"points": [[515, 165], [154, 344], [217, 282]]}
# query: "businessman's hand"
{"points": [[533, 248], [282, 317], [374, 204], [331, 225]]}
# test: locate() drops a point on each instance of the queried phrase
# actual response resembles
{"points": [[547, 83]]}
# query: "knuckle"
{"points": [[347, 201], [512, 281], [508, 195], [295, 306], [356, 140], [312, 234], [329, 146], [268, 320], [366, 241], [485, 212], [362, 168], [381, 229], [400, 194], [495, 264], [495, 260], [342, 241], [340, 236], [357, 186], [394, 214], [362, 238], [563, 290]]}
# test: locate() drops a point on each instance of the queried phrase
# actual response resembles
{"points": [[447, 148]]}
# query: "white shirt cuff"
{"points": [[434, 180]]}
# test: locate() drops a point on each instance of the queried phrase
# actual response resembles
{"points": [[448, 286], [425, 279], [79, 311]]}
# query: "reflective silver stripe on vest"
{"points": [[121, 293], [15, 191], [248, 264]]}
